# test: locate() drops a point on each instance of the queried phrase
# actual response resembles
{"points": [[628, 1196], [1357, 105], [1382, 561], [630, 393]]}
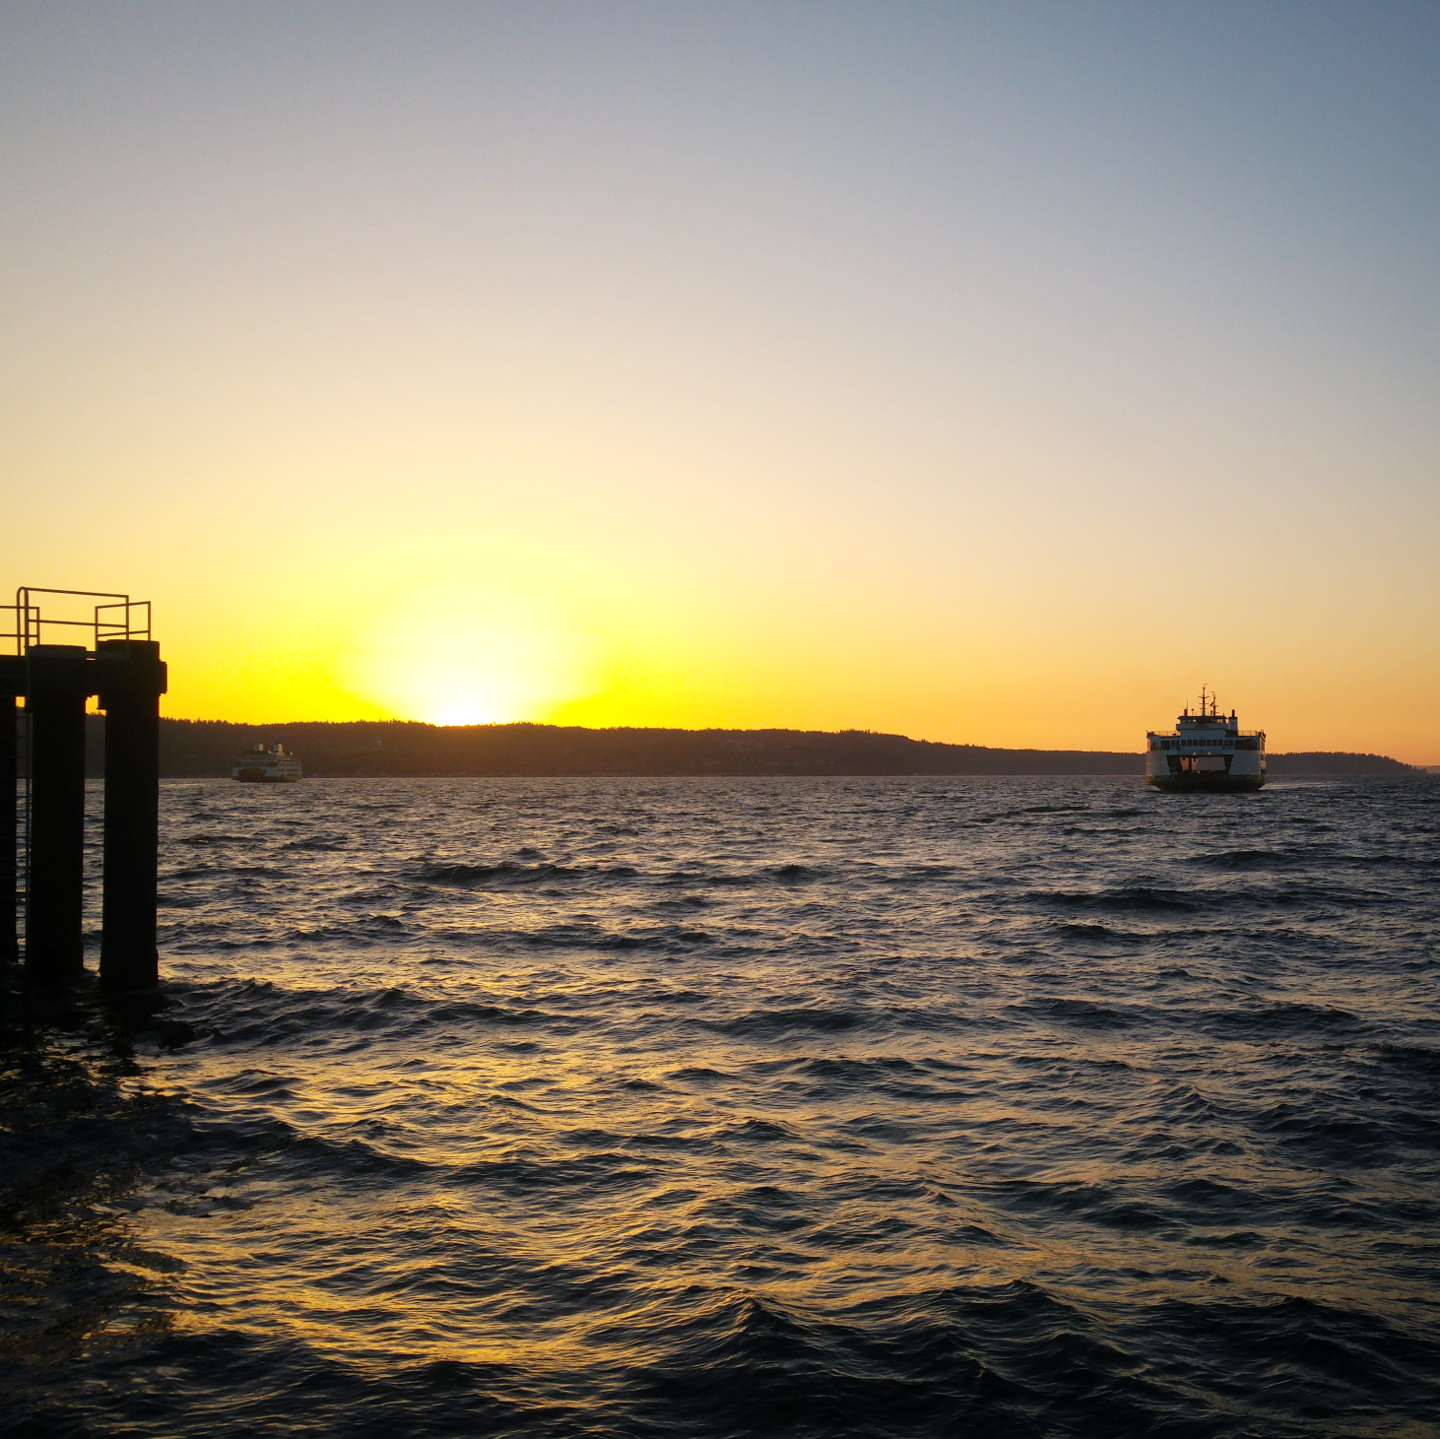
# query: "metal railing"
{"points": [[114, 617]]}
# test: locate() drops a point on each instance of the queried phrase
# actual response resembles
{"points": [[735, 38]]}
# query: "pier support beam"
{"points": [[58, 683], [131, 678]]}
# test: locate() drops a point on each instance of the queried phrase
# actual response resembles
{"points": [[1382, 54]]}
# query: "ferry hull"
{"points": [[255, 776]]}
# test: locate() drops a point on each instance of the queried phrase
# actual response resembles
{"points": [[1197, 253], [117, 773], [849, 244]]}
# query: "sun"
{"points": [[463, 714], [477, 664]]}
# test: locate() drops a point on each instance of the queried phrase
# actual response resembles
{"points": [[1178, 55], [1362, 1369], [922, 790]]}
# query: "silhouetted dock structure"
{"points": [[56, 681]]}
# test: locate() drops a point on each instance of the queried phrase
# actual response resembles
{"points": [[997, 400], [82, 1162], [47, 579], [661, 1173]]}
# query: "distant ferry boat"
{"points": [[266, 766], [1207, 751]]}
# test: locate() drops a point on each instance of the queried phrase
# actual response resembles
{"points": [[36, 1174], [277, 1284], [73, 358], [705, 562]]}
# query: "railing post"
{"points": [[57, 685], [131, 678]]}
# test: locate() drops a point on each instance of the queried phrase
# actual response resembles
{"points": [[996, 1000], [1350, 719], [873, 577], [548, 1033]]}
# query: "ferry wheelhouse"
{"points": [[266, 766], [1207, 751]]}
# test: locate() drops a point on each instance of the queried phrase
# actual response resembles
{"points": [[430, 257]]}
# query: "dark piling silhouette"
{"points": [[131, 679], [56, 680], [57, 686]]}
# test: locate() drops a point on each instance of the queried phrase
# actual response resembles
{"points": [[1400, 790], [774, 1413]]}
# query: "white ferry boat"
{"points": [[266, 766], [1207, 751]]}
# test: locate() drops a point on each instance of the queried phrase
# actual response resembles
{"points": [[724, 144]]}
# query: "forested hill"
{"points": [[1323, 763], [206, 747], [368, 748]]}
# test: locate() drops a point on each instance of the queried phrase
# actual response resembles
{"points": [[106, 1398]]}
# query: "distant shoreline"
{"points": [[192, 749]]}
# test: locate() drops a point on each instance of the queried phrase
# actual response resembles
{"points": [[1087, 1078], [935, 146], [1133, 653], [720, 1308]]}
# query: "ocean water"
{"points": [[719, 1107]]}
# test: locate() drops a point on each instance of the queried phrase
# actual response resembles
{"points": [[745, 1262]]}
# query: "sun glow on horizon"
{"points": [[458, 658]]}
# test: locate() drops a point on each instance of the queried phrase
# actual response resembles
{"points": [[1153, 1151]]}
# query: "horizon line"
{"points": [[724, 729]]}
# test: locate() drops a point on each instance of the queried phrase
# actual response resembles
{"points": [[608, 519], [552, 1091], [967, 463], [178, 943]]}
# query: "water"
{"points": [[651, 1107]]}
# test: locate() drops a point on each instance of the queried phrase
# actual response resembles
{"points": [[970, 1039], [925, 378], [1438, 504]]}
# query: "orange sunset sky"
{"points": [[995, 374]]}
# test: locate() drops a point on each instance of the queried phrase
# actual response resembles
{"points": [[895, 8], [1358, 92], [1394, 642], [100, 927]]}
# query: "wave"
{"points": [[1130, 898], [506, 873], [797, 874], [765, 1022], [1088, 1014], [1103, 934], [1272, 1021], [1421, 1060], [261, 1013]]}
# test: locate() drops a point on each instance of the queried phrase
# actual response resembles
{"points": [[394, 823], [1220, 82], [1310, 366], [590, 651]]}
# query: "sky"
{"points": [[985, 373]]}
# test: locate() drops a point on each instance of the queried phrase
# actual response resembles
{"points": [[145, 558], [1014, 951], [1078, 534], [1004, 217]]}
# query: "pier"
{"points": [[42, 823]]}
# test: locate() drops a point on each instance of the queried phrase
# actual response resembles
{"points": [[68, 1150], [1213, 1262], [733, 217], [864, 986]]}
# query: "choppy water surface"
{"points": [[643, 1107]]}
